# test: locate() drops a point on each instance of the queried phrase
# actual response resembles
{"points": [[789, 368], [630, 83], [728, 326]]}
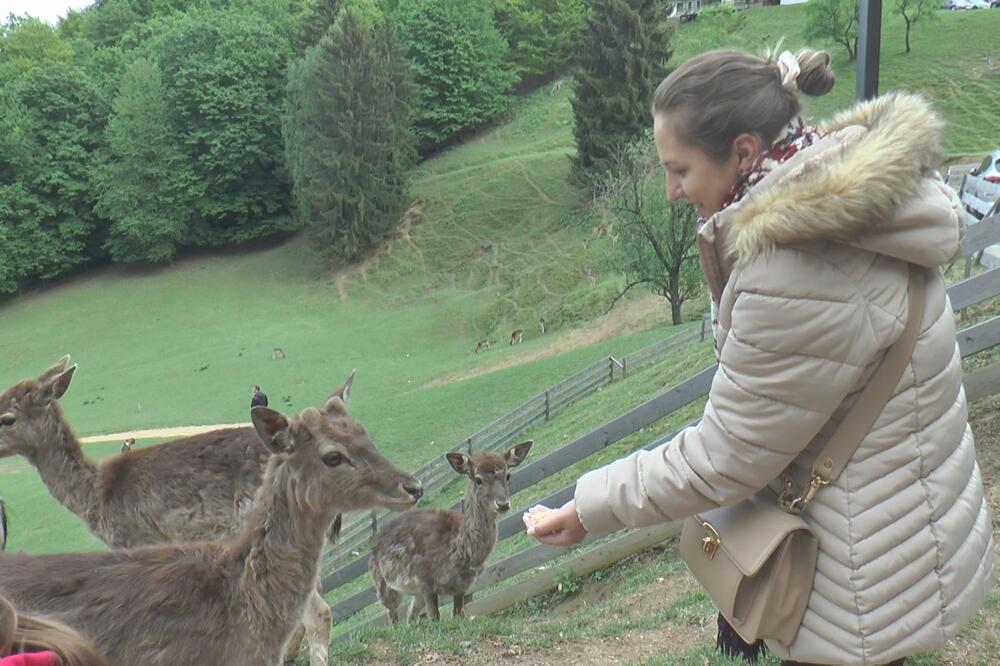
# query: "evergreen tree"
{"points": [[347, 136], [623, 58], [136, 191], [315, 23]]}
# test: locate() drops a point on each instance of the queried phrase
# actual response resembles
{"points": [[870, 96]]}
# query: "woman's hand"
{"points": [[561, 527]]}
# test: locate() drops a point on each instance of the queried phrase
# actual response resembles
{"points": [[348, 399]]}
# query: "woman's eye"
{"points": [[332, 459]]}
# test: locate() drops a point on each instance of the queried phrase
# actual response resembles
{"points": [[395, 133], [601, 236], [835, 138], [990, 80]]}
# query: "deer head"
{"points": [[28, 410], [330, 456], [489, 475]]}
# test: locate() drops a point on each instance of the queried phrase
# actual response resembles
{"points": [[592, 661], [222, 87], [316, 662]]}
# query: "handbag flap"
{"points": [[752, 529]]}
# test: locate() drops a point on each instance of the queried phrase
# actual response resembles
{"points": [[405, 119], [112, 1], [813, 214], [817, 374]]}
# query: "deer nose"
{"points": [[416, 491], [502, 507]]}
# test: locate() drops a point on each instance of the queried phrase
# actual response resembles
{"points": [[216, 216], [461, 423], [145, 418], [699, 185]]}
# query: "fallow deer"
{"points": [[432, 551], [482, 345], [517, 336], [277, 353], [128, 444], [190, 489], [229, 603], [541, 325]]}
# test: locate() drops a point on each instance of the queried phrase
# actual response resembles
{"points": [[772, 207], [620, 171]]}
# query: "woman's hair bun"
{"points": [[815, 74]]}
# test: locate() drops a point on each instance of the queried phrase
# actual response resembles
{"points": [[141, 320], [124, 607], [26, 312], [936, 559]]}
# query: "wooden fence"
{"points": [[436, 473], [981, 383]]}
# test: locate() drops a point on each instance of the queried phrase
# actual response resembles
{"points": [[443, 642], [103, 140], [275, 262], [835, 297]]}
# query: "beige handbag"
{"points": [[757, 559]]}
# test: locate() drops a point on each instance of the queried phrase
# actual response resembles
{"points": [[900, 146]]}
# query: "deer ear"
{"points": [[55, 387], [272, 428], [459, 462], [341, 398], [516, 455], [54, 370]]}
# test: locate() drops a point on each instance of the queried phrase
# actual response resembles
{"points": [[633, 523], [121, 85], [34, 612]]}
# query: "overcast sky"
{"points": [[47, 10]]}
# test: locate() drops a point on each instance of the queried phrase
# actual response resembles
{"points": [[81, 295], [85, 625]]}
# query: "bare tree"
{"points": [[655, 238], [836, 20], [913, 11]]}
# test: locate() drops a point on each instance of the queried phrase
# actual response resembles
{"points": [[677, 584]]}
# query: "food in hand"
{"points": [[535, 515]]}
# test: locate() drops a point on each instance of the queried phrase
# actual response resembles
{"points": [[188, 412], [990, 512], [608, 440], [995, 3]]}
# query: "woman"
{"points": [[33, 641], [805, 240]]}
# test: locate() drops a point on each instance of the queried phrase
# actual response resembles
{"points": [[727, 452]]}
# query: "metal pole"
{"points": [[869, 43]]}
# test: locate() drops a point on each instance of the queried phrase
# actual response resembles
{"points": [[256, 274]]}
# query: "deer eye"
{"points": [[479, 480], [508, 476], [332, 459], [7, 420]]}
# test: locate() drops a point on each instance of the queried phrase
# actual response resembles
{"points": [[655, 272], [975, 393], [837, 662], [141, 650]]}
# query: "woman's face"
{"points": [[691, 174]]}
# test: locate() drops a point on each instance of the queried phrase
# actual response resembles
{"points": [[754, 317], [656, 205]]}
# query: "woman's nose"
{"points": [[674, 192]]}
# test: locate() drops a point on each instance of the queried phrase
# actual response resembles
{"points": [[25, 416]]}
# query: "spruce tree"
{"points": [[347, 136], [623, 57]]}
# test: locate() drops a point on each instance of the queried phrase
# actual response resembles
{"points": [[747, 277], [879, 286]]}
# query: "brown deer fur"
{"points": [[517, 336], [230, 603], [190, 489], [432, 552]]}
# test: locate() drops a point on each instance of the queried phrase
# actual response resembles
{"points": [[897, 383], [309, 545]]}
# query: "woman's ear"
{"points": [[747, 148]]}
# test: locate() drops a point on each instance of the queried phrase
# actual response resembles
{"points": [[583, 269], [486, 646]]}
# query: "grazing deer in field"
{"points": [[432, 551], [482, 345], [128, 444], [3, 525], [189, 489], [229, 603], [277, 353], [541, 325], [517, 336]]}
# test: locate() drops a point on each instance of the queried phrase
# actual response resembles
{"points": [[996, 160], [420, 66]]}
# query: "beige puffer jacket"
{"points": [[810, 294]]}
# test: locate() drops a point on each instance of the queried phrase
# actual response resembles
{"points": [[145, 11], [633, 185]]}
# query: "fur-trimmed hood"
{"points": [[870, 182]]}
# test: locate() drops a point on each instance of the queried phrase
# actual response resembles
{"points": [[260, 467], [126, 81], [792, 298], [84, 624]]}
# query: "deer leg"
{"points": [[292, 649], [317, 621], [416, 608], [387, 596], [458, 605], [431, 604]]}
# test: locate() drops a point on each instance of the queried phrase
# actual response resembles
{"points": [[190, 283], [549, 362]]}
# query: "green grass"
{"points": [[948, 63]]}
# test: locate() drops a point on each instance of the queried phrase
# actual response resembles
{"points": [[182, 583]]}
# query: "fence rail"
{"points": [[977, 385], [436, 473]]}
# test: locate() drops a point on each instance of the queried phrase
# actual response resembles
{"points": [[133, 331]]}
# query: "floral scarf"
{"points": [[795, 136]]}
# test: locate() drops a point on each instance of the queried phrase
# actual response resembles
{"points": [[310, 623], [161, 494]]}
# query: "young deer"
{"points": [[230, 603], [432, 551], [277, 353], [190, 489], [482, 345], [541, 325], [517, 336]]}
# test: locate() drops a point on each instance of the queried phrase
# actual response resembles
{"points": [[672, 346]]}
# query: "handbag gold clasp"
{"points": [[710, 542], [792, 504]]}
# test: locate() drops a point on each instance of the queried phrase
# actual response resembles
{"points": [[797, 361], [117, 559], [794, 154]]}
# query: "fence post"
{"points": [[374, 526], [611, 369], [703, 320], [546, 404], [624, 366], [468, 445]]}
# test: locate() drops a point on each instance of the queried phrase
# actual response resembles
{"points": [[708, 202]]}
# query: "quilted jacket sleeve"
{"points": [[798, 339]]}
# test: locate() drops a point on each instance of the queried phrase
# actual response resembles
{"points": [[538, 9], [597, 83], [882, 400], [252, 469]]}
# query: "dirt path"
{"points": [[179, 431], [628, 317]]}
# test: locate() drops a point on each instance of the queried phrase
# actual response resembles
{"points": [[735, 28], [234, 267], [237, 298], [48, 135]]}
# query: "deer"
{"points": [[482, 345], [190, 489], [517, 336], [541, 325], [232, 602], [277, 353], [128, 444], [433, 551]]}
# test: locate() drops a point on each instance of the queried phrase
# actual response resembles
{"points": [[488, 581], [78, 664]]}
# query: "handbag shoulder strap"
{"points": [[860, 419]]}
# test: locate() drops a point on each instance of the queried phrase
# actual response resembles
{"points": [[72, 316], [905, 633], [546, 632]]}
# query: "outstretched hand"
{"points": [[560, 527]]}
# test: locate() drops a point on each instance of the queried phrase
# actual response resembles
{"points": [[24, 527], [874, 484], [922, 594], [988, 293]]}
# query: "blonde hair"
{"points": [[27, 633], [718, 95]]}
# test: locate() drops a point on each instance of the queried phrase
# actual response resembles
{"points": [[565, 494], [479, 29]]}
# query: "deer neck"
{"points": [[71, 478], [477, 533], [278, 553]]}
